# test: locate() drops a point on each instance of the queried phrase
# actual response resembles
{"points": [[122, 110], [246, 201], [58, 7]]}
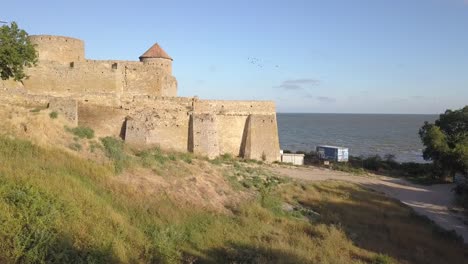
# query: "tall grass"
{"points": [[81, 132], [114, 150], [58, 208]]}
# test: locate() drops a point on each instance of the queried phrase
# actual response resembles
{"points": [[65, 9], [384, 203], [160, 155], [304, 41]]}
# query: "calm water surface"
{"points": [[363, 134]]}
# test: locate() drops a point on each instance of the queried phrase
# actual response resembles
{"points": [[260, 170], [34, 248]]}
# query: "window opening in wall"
{"points": [[114, 66], [72, 64]]}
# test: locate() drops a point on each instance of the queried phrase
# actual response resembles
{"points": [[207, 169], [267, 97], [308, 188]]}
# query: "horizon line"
{"points": [[330, 113]]}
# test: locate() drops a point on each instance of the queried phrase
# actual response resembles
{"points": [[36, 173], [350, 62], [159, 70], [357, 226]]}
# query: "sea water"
{"points": [[364, 134]]}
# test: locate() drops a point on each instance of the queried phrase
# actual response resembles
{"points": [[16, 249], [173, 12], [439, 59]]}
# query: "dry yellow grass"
{"points": [[57, 205], [377, 223]]}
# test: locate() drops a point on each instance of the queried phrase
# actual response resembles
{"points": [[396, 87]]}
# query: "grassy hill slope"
{"points": [[119, 205]]}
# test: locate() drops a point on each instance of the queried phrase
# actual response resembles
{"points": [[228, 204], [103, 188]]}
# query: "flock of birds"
{"points": [[260, 63]]}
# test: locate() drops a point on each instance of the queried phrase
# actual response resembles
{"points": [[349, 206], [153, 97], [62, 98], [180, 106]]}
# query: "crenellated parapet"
{"points": [[58, 48]]}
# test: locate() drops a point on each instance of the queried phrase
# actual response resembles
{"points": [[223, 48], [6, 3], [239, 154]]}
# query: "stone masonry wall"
{"points": [[148, 79], [232, 120], [166, 120], [210, 128], [66, 106], [90, 77], [74, 79], [204, 135], [262, 138], [58, 48], [162, 63]]}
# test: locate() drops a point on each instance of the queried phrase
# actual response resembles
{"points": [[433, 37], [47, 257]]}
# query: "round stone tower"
{"points": [[58, 48], [157, 56]]}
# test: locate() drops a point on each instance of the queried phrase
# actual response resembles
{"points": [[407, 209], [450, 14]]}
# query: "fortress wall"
{"points": [[148, 79], [92, 77], [163, 64], [224, 107], [232, 117], [232, 131], [58, 48], [65, 106], [204, 135], [166, 120], [261, 142], [104, 120], [74, 79]]}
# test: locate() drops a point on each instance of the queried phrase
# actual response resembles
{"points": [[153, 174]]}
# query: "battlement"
{"points": [[64, 71], [58, 48]]}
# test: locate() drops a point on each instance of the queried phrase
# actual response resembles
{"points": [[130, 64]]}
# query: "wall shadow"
{"points": [[123, 129], [190, 146], [244, 138]]}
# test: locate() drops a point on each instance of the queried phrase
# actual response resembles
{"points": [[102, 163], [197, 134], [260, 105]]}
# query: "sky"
{"points": [[333, 56]]}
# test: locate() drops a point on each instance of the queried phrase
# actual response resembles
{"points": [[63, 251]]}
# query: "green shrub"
{"points": [[53, 115], [81, 132]]}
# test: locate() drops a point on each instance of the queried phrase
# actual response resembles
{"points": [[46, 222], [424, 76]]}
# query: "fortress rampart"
{"points": [[137, 101], [58, 48]]}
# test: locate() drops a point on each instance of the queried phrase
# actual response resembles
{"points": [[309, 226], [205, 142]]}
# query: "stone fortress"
{"points": [[137, 101]]}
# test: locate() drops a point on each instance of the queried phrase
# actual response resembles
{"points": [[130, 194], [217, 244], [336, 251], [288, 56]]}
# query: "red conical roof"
{"points": [[155, 52]]}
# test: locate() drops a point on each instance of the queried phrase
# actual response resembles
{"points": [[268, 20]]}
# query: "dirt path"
{"points": [[433, 201]]}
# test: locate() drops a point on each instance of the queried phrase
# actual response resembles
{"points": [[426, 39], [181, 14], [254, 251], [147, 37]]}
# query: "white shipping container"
{"points": [[295, 159]]}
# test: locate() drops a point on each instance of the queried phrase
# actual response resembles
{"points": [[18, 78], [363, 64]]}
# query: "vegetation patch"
{"points": [[164, 163], [93, 146], [81, 132], [53, 115], [114, 150]]}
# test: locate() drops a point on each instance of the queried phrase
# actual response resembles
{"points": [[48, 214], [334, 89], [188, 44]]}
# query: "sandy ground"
{"points": [[435, 201]]}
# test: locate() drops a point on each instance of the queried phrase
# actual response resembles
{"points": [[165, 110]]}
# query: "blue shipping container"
{"points": [[333, 153]]}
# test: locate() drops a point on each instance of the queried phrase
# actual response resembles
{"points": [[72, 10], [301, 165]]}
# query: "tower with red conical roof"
{"points": [[157, 56]]}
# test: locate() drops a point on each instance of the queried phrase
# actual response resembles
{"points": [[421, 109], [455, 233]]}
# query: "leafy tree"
{"points": [[16, 52], [446, 142]]}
